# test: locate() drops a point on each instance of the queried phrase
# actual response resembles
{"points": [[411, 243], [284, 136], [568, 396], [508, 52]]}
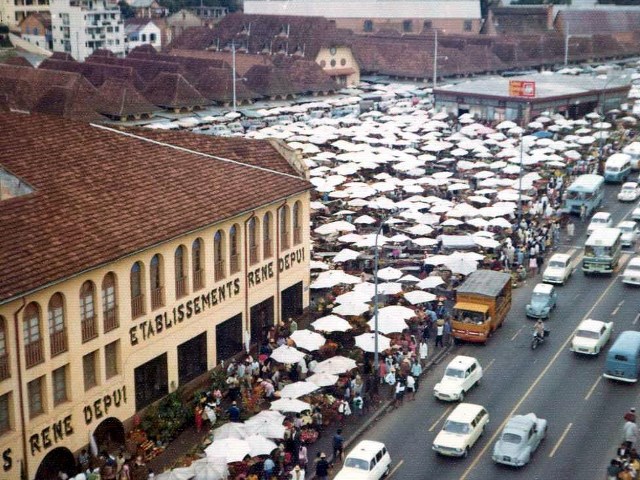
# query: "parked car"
{"points": [[591, 336], [599, 220], [461, 430], [543, 300], [631, 274], [369, 460], [629, 230], [520, 437], [629, 192], [558, 269], [461, 374]]}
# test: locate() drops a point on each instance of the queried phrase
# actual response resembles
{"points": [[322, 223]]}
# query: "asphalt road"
{"points": [[583, 409]]}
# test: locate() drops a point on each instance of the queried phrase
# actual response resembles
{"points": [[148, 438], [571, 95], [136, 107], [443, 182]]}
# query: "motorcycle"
{"points": [[537, 340]]}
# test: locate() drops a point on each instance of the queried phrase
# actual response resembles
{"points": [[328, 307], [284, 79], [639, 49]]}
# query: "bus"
{"points": [[617, 167], [587, 190], [633, 150], [602, 251]]}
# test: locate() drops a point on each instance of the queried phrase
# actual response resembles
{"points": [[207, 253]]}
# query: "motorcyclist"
{"points": [[538, 329]]}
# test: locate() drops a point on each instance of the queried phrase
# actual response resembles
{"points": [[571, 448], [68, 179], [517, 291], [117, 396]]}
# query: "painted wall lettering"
{"points": [[49, 435], [164, 321], [291, 259], [100, 407], [7, 461], [266, 272]]}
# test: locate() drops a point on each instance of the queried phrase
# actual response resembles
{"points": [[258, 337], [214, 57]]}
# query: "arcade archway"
{"points": [[57, 460], [110, 435]]}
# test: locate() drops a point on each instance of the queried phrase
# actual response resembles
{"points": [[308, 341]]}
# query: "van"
{"points": [[599, 220], [617, 167], [633, 150], [623, 358], [461, 430], [369, 460]]}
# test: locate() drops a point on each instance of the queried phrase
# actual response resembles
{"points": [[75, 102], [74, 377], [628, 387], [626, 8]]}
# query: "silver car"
{"points": [[629, 231], [520, 437]]}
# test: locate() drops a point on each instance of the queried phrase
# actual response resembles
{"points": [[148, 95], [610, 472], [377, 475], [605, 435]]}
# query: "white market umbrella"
{"points": [[409, 279], [291, 405], [266, 428], [430, 282], [420, 229], [351, 309], [500, 222], [334, 227], [365, 219], [366, 342], [347, 254], [298, 389], [461, 265], [323, 379], [184, 473], [266, 416], [308, 340], [418, 296], [260, 445], [486, 242], [287, 354], [316, 265], [233, 449], [331, 278], [389, 273], [336, 365], [424, 241], [210, 468], [230, 430], [354, 296], [396, 311], [388, 324], [389, 288], [331, 323]]}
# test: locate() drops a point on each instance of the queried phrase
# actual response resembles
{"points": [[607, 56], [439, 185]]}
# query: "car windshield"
{"points": [[634, 268], [455, 427], [587, 334], [556, 264], [625, 228], [511, 438], [538, 297], [628, 189], [599, 220], [356, 463], [454, 372]]}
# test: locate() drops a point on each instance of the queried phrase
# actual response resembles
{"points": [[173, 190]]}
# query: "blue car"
{"points": [[543, 300]]}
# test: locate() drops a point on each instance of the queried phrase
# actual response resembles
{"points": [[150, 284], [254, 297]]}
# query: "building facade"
{"points": [[12, 12], [36, 29], [142, 31], [340, 64], [81, 354], [80, 27]]}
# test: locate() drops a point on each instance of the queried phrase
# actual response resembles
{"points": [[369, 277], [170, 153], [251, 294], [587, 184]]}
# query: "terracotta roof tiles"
{"points": [[172, 90], [120, 98]]}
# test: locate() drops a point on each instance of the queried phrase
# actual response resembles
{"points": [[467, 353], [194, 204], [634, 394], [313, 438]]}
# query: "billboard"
{"points": [[522, 88]]}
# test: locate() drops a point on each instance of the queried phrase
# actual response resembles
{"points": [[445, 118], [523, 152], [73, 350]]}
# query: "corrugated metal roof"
{"points": [[484, 282]]}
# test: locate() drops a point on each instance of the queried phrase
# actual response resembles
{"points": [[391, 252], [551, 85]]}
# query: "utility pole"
{"points": [[233, 72]]}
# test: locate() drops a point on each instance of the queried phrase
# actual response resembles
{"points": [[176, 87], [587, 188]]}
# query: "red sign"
{"points": [[522, 88]]}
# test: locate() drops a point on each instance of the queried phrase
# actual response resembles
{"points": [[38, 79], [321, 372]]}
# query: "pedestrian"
{"points": [[630, 433], [411, 388], [540, 261], [439, 333], [416, 371], [317, 421], [533, 265], [267, 468], [358, 405], [423, 351], [571, 228], [583, 212], [447, 332], [322, 467], [338, 446], [84, 460], [210, 408], [234, 412], [302, 456], [399, 394], [293, 325], [199, 411]]}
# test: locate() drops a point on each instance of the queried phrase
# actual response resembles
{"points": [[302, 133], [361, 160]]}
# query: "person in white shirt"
{"points": [[411, 388]]}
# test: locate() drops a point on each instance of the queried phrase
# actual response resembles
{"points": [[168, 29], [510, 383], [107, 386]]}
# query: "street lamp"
{"points": [[602, 114], [435, 58]]}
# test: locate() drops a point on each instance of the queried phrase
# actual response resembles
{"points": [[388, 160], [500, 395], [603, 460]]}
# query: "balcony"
{"points": [[234, 263], [5, 369], [297, 235], [157, 298], [89, 329], [111, 319], [220, 270], [58, 341], [181, 287], [198, 279], [137, 306], [33, 353], [253, 254]]}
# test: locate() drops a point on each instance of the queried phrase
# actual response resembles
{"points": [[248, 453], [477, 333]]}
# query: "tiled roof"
{"points": [[62, 56], [18, 61], [121, 98], [71, 103], [269, 81], [101, 195], [598, 21], [172, 90], [243, 61], [306, 75], [146, 70], [217, 84], [96, 72]]}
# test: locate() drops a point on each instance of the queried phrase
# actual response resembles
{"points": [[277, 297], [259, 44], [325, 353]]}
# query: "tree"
{"points": [[126, 10]]}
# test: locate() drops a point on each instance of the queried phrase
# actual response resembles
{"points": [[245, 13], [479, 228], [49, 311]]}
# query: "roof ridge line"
{"points": [[188, 150]]}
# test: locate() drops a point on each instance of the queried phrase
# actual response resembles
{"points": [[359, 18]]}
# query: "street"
{"points": [[583, 409]]}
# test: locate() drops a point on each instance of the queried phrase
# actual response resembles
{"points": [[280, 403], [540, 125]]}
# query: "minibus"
{"points": [[623, 358], [633, 150], [617, 168], [587, 190], [602, 251]]}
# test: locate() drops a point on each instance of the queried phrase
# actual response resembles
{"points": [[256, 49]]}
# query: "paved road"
{"points": [[583, 409]]}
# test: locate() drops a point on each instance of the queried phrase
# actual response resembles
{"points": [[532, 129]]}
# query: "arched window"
{"points": [[157, 285], [87, 311], [218, 255], [109, 306], [368, 26], [267, 250], [234, 250], [197, 263], [5, 370], [254, 254], [137, 290], [297, 223], [284, 228], [57, 330], [181, 272], [31, 335]]}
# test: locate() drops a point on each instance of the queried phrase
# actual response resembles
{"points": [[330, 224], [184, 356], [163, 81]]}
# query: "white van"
{"points": [[599, 220], [461, 430], [633, 150], [617, 167], [369, 460]]}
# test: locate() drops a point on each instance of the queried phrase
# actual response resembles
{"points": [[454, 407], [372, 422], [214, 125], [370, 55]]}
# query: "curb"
{"points": [[385, 406]]}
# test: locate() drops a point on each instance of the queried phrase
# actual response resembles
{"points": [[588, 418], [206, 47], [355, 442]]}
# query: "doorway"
{"points": [[192, 358], [261, 319], [291, 302], [57, 460], [109, 435], [151, 381], [229, 338]]}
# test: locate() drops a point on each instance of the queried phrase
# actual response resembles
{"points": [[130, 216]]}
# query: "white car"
{"points": [[599, 220], [591, 336], [368, 460], [629, 231], [558, 269], [631, 274], [635, 215], [629, 192], [461, 374], [461, 430]]}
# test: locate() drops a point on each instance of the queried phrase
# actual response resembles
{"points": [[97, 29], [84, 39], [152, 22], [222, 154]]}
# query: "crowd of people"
{"points": [[626, 464]]}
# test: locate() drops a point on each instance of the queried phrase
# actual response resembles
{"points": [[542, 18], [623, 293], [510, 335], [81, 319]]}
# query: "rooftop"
{"points": [[94, 186]]}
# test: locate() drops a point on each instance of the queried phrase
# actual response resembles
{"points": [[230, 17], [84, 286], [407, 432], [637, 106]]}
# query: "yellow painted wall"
{"points": [[340, 55], [131, 356]]}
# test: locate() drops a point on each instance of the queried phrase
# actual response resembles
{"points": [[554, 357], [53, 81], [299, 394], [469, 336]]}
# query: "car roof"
{"points": [[462, 361], [520, 422], [543, 288], [601, 215], [627, 223], [591, 325], [366, 447], [630, 184], [634, 261], [465, 412], [560, 256]]}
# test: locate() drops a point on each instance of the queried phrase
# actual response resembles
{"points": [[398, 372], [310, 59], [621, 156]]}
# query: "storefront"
{"points": [[192, 358]]}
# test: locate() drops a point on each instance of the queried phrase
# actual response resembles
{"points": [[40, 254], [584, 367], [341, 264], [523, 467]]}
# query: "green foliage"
{"points": [[126, 10], [166, 419], [219, 379], [177, 5]]}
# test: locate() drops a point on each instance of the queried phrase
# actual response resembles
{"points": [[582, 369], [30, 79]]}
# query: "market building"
{"points": [[523, 98], [134, 261]]}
